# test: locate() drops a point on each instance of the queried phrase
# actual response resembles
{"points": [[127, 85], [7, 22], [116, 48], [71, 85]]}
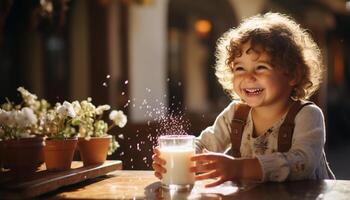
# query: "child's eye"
{"points": [[238, 69], [262, 67]]}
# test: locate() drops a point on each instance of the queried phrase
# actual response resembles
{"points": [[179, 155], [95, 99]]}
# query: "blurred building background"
{"points": [[144, 55]]}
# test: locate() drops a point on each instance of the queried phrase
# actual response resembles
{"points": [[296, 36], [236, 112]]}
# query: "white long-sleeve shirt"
{"points": [[304, 160]]}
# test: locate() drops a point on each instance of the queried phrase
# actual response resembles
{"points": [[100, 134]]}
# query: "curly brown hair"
{"points": [[289, 46]]}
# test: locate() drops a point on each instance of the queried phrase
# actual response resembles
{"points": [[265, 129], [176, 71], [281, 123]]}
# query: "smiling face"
{"points": [[257, 82]]}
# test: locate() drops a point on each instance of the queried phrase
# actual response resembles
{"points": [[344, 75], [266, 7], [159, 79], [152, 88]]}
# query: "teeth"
{"points": [[253, 90]]}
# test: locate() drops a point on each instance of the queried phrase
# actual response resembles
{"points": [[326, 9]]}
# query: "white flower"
{"points": [[76, 106], [21, 118], [50, 115], [118, 118], [3, 116], [7, 106], [100, 109], [8, 118], [27, 96], [88, 107], [66, 109], [26, 117]]}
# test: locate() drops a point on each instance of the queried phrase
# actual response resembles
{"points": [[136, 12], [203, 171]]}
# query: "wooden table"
{"points": [[43, 181], [125, 184]]}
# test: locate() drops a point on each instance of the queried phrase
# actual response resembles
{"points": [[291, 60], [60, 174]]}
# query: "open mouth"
{"points": [[253, 91]]}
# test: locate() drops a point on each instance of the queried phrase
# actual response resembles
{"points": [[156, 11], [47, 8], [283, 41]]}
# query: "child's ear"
{"points": [[293, 81], [294, 77]]}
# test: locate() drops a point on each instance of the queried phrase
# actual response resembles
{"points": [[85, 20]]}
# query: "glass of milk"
{"points": [[177, 150]]}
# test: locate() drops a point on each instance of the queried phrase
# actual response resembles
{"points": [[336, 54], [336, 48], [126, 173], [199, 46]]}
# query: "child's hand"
{"points": [[158, 163], [215, 165]]}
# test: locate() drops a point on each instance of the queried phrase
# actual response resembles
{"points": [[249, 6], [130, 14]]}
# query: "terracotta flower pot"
{"points": [[94, 151], [1, 156], [23, 156], [59, 154]]}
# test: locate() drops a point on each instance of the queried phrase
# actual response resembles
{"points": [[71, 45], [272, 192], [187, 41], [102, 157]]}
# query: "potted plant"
{"points": [[94, 142], [21, 141], [61, 136]]}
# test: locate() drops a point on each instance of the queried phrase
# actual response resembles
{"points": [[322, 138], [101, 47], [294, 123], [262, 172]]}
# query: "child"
{"points": [[271, 65]]}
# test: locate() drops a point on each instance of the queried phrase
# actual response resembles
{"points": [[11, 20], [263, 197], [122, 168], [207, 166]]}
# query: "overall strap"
{"points": [[286, 130], [237, 127]]}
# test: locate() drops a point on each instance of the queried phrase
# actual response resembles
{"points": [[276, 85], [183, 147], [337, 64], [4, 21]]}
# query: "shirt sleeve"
{"points": [[301, 161], [217, 137]]}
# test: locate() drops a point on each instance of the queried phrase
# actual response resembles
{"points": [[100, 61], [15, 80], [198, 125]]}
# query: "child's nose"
{"points": [[251, 76]]}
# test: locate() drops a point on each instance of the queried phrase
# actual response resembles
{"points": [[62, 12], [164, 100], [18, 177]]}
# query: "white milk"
{"points": [[177, 165]]}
